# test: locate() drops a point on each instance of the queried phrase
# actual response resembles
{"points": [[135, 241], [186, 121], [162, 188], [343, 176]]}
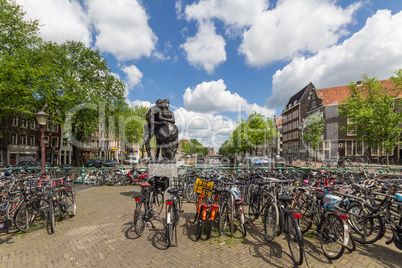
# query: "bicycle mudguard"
{"points": [[345, 234]]}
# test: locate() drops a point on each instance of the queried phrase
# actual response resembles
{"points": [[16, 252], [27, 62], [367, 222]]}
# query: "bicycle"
{"points": [[149, 206], [279, 216], [173, 207]]}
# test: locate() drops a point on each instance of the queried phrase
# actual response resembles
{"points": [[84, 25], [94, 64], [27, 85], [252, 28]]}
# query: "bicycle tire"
{"points": [[52, 220], [306, 220], [118, 180], [69, 204], [331, 237], [295, 239], [271, 221], [253, 207], [364, 228], [351, 246], [158, 202], [225, 224], [200, 226], [189, 193], [140, 222], [239, 220], [30, 218], [170, 225]]}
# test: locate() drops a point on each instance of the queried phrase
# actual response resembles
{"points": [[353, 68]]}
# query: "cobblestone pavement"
{"points": [[100, 235]]}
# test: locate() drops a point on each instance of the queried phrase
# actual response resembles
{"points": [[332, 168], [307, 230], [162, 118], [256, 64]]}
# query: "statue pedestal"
{"points": [[163, 169]]}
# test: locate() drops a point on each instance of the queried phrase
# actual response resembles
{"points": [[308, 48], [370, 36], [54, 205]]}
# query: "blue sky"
{"points": [[220, 60]]}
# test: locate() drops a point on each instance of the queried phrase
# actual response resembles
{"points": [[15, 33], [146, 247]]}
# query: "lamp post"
{"points": [[42, 118]]}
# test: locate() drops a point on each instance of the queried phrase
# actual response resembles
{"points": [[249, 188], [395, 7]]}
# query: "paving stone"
{"points": [[101, 235]]}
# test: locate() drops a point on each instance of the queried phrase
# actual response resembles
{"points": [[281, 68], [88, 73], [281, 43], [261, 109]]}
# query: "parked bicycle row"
{"points": [[28, 203], [339, 208]]}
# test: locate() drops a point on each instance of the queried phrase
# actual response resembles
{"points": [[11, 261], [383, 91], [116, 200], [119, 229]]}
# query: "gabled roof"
{"points": [[338, 95], [279, 122], [295, 99]]}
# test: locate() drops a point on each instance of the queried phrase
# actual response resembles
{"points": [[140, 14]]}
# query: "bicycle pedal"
{"points": [[191, 222], [180, 210]]}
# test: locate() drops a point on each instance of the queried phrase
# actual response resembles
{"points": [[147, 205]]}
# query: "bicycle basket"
{"points": [[332, 201], [160, 182], [235, 192], [201, 184]]}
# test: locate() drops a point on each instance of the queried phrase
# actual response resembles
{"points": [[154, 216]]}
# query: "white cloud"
{"points": [[207, 49], [62, 20], [122, 28], [375, 50], [294, 27], [212, 97], [209, 129], [235, 13], [141, 103], [133, 75]]}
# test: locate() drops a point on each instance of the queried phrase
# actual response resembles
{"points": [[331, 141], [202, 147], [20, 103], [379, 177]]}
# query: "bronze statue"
{"points": [[161, 123]]}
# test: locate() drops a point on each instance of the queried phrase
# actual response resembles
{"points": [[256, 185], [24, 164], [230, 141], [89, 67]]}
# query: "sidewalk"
{"points": [[101, 235]]}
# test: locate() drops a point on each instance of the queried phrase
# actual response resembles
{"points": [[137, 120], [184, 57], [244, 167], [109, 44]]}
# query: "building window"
{"points": [[32, 124], [24, 140], [349, 148], [24, 123], [65, 142], [351, 131], [13, 138], [359, 148], [49, 125], [46, 139], [55, 142], [14, 121], [313, 104], [32, 140], [55, 127]]}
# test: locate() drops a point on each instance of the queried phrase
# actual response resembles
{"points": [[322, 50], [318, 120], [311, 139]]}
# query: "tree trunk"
{"points": [[76, 162]]}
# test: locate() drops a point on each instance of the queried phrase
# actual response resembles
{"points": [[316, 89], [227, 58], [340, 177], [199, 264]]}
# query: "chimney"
{"points": [[358, 83]]}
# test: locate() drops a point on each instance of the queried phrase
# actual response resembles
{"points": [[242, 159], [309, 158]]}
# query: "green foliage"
{"points": [[250, 135], [193, 146], [313, 128], [372, 114]]}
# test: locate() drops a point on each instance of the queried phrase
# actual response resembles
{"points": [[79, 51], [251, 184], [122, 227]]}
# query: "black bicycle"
{"points": [[149, 206], [173, 207]]}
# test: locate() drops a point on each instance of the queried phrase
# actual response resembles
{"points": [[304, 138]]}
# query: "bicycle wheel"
{"points": [[225, 224], [271, 221], [98, 181], [189, 193], [200, 226], [118, 180], [351, 246], [295, 239], [239, 220], [70, 207], [170, 224], [158, 201], [306, 220], [253, 207], [331, 237], [365, 228], [140, 222], [30, 217], [51, 219]]}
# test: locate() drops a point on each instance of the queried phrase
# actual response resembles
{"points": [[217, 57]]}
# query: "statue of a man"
{"points": [[149, 128]]}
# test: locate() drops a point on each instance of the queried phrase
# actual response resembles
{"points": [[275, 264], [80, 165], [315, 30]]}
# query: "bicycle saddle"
{"points": [[145, 184], [173, 191], [286, 198]]}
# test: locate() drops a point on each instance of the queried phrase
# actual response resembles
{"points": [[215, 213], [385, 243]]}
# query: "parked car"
{"points": [[132, 159], [110, 163], [258, 161], [94, 163]]}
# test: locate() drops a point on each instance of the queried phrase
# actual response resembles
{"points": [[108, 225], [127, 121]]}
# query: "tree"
{"points": [[313, 127], [372, 114], [18, 69]]}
